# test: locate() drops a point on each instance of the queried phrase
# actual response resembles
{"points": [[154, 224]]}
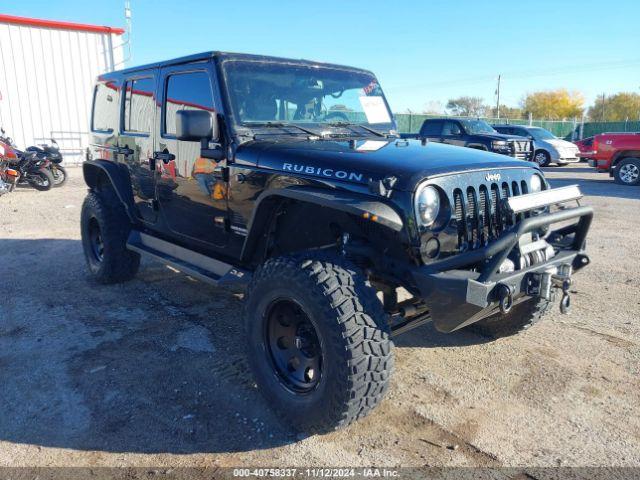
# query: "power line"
{"points": [[523, 74]]}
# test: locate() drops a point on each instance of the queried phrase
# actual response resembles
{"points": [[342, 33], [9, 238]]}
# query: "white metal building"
{"points": [[47, 71]]}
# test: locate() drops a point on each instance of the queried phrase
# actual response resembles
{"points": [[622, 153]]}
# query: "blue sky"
{"points": [[422, 51]]}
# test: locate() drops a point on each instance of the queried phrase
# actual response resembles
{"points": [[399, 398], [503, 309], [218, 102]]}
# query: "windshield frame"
{"points": [[242, 129]]}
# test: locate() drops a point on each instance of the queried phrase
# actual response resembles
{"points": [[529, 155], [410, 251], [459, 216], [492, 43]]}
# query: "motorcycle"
{"points": [[52, 153], [29, 167]]}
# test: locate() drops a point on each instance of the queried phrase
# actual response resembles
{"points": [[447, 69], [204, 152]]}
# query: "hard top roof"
{"points": [[223, 56]]}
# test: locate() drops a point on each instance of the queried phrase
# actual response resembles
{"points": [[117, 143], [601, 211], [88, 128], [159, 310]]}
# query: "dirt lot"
{"points": [[152, 373]]}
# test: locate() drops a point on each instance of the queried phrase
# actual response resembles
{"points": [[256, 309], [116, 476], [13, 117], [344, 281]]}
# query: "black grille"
{"points": [[479, 215]]}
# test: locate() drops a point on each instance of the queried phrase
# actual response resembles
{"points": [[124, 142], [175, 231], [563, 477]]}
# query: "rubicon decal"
{"points": [[322, 172]]}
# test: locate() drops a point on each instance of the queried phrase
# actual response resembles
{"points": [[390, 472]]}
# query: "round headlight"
{"points": [[536, 183], [427, 205]]}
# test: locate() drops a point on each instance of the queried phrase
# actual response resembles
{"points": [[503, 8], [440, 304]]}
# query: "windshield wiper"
{"points": [[283, 125], [349, 125]]}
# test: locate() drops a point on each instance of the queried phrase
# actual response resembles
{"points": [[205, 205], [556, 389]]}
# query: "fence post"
{"points": [[626, 121], [530, 119], [410, 123]]}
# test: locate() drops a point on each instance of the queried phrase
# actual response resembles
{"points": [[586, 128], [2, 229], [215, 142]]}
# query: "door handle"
{"points": [[165, 156]]}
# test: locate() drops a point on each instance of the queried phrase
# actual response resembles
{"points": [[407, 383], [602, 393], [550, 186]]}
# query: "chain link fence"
{"points": [[567, 129]]}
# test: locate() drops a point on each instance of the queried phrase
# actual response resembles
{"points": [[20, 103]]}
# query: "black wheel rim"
{"points": [[293, 346], [95, 239]]}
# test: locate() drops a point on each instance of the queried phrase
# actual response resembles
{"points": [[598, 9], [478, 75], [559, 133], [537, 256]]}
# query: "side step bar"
{"points": [[192, 263]]}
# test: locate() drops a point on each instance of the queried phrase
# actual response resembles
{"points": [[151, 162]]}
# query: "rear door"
{"points": [[432, 130], [191, 190], [135, 142]]}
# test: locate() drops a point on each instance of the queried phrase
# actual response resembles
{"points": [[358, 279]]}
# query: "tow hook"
{"points": [[505, 298], [562, 280]]}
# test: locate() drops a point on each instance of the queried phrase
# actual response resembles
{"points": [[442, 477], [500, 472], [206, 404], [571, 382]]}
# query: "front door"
{"points": [[191, 190], [452, 133]]}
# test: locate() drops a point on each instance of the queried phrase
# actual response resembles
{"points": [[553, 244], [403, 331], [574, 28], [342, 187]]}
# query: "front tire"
{"points": [[105, 228], [521, 317], [318, 341], [42, 180], [627, 172], [542, 158], [59, 175]]}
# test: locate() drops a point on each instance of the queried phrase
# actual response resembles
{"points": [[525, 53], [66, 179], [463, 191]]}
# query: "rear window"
{"points": [[431, 127], [105, 108], [186, 91], [138, 106]]}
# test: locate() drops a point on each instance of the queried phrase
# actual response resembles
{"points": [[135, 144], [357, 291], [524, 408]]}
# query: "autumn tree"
{"points": [[553, 104], [616, 108], [506, 112], [467, 106]]}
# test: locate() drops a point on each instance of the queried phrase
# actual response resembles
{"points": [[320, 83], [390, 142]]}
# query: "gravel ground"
{"points": [[152, 373]]}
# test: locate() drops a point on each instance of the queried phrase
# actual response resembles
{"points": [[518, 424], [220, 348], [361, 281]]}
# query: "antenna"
{"points": [[127, 37]]}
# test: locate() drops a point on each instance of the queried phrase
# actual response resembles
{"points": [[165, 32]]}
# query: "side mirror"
{"points": [[197, 125]]}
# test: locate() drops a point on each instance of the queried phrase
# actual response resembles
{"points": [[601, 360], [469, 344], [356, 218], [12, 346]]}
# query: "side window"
{"points": [[137, 116], [186, 91], [451, 128], [431, 128], [105, 108]]}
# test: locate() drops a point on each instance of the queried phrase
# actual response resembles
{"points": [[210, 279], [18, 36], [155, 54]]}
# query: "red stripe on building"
{"points": [[79, 27]]}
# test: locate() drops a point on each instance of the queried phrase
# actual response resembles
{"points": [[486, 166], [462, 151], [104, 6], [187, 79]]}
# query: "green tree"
{"points": [[467, 106], [616, 108], [553, 104]]}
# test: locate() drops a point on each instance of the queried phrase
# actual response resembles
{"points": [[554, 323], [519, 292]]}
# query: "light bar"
{"points": [[531, 201]]}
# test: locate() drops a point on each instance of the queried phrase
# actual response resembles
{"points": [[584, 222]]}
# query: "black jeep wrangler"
{"points": [[477, 134], [286, 179]]}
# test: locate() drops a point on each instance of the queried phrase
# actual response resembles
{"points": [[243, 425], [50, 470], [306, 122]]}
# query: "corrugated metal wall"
{"points": [[46, 82]]}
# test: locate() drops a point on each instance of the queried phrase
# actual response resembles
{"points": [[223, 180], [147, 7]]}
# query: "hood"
{"points": [[499, 136], [559, 143], [410, 161]]}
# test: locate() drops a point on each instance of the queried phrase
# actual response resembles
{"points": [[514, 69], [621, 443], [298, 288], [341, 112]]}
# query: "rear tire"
{"points": [[521, 317], [105, 228], [627, 172], [42, 180], [351, 337]]}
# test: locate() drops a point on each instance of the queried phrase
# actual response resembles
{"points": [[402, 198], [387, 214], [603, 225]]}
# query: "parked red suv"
{"points": [[618, 154]]}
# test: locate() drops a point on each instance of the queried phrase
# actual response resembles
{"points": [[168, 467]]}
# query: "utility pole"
{"points": [[498, 98]]}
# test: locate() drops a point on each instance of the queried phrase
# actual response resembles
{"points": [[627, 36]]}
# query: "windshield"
{"points": [[541, 134], [477, 126], [276, 94]]}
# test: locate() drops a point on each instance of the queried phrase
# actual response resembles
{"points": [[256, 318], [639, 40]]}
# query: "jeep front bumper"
{"points": [[457, 297]]}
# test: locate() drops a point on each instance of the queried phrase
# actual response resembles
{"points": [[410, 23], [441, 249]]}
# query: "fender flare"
{"points": [[352, 203], [118, 177]]}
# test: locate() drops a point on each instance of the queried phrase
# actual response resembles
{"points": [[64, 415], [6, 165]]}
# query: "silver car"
{"points": [[547, 147]]}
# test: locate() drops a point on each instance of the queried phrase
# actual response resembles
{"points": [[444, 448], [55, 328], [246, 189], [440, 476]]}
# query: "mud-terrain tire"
{"points": [[521, 317], [105, 228], [352, 340], [627, 172]]}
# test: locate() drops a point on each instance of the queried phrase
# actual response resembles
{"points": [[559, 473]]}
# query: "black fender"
{"points": [[118, 176], [348, 202]]}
